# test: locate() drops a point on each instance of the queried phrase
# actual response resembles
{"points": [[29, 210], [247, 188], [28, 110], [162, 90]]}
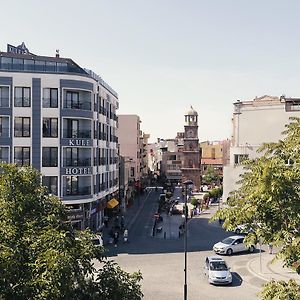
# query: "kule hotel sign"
{"points": [[79, 142], [78, 171]]}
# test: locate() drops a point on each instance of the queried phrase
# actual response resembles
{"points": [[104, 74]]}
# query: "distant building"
{"points": [[255, 122], [129, 136], [191, 158], [214, 154], [133, 144]]}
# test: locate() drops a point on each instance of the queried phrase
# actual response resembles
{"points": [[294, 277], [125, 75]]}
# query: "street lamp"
{"points": [[186, 184]]}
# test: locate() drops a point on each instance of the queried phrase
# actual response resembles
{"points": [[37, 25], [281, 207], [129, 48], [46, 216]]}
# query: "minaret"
{"points": [[190, 166]]}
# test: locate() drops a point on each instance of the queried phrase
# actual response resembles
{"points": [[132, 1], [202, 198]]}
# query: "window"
{"points": [[50, 156], [22, 97], [4, 154], [132, 172], [4, 96], [22, 156], [50, 98], [72, 100], [28, 65], [40, 65], [50, 182], [4, 130], [22, 127], [239, 158], [72, 185], [213, 153], [50, 127]]}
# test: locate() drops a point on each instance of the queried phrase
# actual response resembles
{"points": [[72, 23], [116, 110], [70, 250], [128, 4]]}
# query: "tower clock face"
{"points": [[190, 133]]}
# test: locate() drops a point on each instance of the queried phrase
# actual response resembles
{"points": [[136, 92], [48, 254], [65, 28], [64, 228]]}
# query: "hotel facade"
{"points": [[61, 119]]}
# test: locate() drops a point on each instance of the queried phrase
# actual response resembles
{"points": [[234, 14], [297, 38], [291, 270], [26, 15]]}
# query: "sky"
{"points": [[162, 56]]}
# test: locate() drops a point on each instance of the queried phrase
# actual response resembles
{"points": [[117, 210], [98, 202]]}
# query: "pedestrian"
{"points": [[117, 225], [105, 221], [116, 238], [125, 235], [270, 248], [122, 222]]}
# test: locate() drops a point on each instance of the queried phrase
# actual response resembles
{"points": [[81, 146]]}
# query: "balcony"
{"points": [[77, 100], [80, 162], [77, 134], [80, 191]]}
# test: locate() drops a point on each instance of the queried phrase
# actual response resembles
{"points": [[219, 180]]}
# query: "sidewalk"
{"points": [[265, 269]]}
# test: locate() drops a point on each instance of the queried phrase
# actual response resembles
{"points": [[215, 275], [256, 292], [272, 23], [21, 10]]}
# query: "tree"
{"points": [[41, 256], [211, 176], [268, 197]]}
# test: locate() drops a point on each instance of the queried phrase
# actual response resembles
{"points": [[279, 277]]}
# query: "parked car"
{"points": [[232, 244], [245, 228], [217, 271], [241, 229]]}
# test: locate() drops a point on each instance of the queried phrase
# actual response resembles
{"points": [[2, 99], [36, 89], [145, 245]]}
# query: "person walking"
{"points": [[116, 238], [270, 248], [125, 235], [105, 221], [122, 222]]}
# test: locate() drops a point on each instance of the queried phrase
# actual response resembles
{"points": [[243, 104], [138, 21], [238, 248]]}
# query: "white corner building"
{"points": [[255, 122], [61, 119]]}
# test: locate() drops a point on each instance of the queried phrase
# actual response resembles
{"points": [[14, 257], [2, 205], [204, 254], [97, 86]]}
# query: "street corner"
{"points": [[253, 267]]}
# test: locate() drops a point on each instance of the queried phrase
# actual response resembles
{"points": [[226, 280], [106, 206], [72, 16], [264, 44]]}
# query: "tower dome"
{"points": [[191, 112]]}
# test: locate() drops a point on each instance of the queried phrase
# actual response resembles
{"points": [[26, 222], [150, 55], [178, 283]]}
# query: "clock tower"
{"points": [[190, 166]]}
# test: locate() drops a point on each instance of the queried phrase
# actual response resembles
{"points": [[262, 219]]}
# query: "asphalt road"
{"points": [[161, 261]]}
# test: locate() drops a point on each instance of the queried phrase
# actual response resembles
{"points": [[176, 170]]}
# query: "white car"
{"points": [[241, 229], [97, 240], [217, 271], [232, 244]]}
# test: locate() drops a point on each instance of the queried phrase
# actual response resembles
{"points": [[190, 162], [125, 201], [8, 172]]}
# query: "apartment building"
{"points": [[255, 122], [131, 143], [61, 119]]}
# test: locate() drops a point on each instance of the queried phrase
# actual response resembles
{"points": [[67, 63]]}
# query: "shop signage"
{"points": [[75, 217], [78, 142], [21, 49], [78, 171]]}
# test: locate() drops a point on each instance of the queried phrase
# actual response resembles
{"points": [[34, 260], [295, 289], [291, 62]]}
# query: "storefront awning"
{"points": [[112, 203]]}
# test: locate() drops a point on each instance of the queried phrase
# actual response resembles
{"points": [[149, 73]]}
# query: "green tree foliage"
{"points": [[268, 197], [194, 201], [41, 257], [281, 290], [211, 176]]}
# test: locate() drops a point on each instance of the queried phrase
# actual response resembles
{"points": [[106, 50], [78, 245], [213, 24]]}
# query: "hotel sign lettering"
{"points": [[77, 142], [78, 171]]}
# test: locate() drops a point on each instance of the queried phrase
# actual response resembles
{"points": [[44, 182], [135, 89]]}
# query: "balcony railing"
{"points": [[78, 105], [80, 162], [81, 191], [74, 134]]}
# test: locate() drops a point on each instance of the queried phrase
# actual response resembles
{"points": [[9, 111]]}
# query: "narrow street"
{"points": [[161, 261]]}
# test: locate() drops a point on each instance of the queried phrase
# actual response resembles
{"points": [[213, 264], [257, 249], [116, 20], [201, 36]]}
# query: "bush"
{"points": [[194, 201]]}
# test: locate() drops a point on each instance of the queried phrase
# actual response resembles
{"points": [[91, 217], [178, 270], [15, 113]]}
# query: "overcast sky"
{"points": [[162, 56]]}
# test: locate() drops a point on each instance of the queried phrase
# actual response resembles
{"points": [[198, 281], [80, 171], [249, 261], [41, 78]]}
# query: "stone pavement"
{"points": [[265, 269], [130, 214]]}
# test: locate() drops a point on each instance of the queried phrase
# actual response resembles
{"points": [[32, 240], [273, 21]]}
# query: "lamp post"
{"points": [[186, 184]]}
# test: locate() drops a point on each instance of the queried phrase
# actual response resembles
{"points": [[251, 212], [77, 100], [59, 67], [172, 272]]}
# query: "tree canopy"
{"points": [[42, 257], [268, 198]]}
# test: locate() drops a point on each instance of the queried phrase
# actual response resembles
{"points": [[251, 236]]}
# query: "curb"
{"points": [[253, 272]]}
